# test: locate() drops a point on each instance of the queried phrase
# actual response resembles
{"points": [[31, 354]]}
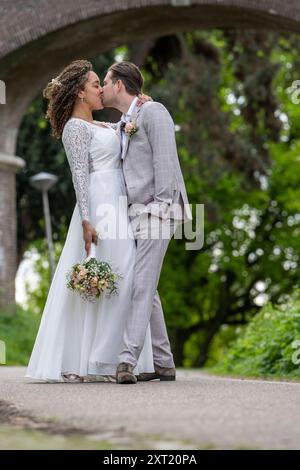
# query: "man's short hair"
{"points": [[130, 75]]}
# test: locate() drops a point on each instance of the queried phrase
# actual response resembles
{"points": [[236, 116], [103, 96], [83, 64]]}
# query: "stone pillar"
{"points": [[9, 166]]}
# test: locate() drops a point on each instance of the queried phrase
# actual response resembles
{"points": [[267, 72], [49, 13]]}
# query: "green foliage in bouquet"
{"points": [[92, 278]]}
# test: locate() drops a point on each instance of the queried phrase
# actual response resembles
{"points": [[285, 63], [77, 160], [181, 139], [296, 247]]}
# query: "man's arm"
{"points": [[161, 134]]}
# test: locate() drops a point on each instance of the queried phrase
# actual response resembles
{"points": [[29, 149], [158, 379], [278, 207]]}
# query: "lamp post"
{"points": [[43, 182]]}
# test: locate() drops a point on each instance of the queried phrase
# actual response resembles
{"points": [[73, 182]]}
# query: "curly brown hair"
{"points": [[62, 92]]}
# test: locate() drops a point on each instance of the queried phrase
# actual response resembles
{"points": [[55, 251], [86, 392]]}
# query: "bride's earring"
{"points": [[82, 100]]}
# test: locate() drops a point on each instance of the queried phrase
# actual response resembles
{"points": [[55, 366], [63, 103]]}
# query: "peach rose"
{"points": [[81, 273], [129, 127]]}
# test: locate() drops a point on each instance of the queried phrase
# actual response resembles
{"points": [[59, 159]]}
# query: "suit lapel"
{"points": [[133, 118], [119, 130]]}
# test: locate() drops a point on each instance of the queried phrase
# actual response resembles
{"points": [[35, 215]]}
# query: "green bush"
{"points": [[18, 332], [269, 345]]}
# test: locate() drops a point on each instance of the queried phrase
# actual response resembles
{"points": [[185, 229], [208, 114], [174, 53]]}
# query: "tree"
{"points": [[223, 91], [238, 142]]}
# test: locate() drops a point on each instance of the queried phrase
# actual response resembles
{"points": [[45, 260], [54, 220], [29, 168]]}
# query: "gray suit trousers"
{"points": [[146, 304]]}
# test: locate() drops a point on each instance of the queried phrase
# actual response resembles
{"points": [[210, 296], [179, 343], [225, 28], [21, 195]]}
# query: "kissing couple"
{"points": [[122, 339]]}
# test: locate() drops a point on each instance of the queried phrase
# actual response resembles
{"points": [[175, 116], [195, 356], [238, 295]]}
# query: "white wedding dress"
{"points": [[76, 336]]}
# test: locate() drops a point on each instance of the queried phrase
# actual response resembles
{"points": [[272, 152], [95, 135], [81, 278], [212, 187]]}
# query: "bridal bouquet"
{"points": [[91, 278]]}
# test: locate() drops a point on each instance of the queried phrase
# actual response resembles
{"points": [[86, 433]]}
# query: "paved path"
{"points": [[196, 411]]}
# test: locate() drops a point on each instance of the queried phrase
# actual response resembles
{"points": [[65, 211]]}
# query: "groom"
{"points": [[157, 202]]}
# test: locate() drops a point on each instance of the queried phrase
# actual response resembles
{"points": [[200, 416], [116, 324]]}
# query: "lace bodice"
{"points": [[89, 147]]}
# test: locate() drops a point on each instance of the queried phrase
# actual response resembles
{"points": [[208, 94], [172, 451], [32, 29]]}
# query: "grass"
{"points": [[18, 331], [17, 439], [251, 376]]}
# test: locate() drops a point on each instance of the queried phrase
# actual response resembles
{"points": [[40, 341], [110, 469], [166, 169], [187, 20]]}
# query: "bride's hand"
{"points": [[143, 99], [89, 236]]}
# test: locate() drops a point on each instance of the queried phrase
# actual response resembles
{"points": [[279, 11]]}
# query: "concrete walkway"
{"points": [[197, 411]]}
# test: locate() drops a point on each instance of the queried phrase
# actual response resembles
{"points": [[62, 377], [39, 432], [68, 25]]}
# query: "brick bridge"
{"points": [[38, 38]]}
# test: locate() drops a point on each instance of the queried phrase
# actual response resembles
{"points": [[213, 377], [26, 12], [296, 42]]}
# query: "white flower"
{"points": [[55, 81], [131, 128]]}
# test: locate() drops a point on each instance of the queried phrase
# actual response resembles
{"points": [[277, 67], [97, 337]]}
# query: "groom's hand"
{"points": [[89, 236]]}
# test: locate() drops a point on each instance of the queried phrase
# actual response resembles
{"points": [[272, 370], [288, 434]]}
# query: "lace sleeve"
{"points": [[76, 139]]}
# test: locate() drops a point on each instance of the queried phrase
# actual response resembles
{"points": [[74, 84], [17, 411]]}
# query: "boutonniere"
{"points": [[131, 128]]}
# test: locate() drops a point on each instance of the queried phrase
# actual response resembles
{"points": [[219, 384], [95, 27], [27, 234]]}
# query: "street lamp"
{"points": [[43, 182]]}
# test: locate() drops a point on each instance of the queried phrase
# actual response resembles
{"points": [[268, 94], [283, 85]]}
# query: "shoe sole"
{"points": [[125, 382], [162, 378], [167, 379], [127, 379]]}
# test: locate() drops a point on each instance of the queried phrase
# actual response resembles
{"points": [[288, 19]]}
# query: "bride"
{"points": [[80, 341]]}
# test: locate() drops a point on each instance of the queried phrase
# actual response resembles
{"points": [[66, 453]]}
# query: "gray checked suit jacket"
{"points": [[151, 166]]}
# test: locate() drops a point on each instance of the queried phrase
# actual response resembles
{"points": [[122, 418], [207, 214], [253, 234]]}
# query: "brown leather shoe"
{"points": [[124, 374], [161, 373]]}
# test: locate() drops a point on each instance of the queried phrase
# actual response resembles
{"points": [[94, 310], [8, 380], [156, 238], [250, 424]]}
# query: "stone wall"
{"points": [[8, 257], [7, 237]]}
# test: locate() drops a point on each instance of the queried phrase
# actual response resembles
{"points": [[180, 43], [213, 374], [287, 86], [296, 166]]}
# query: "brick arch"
{"points": [[37, 39], [21, 23]]}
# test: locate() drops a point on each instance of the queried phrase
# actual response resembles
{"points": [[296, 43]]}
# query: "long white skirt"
{"points": [[80, 337]]}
